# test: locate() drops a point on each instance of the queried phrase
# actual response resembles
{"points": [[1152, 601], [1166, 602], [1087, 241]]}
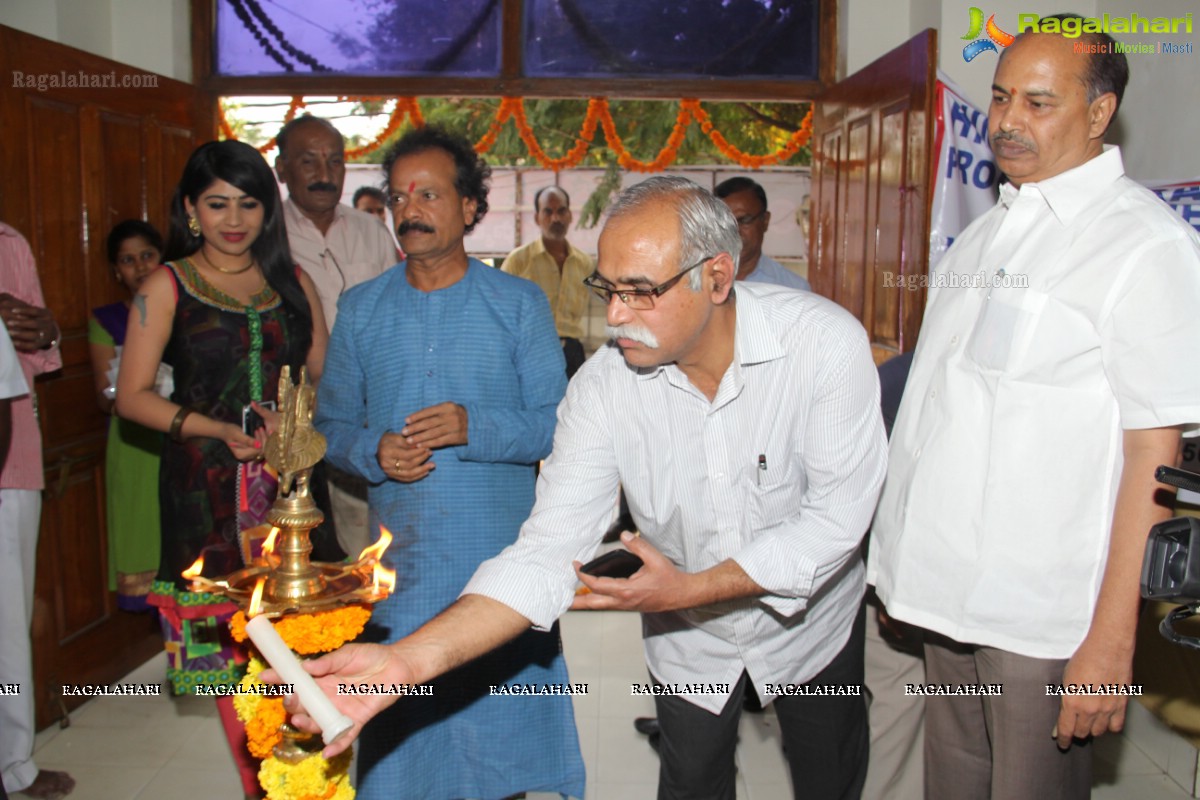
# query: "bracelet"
{"points": [[177, 424]]}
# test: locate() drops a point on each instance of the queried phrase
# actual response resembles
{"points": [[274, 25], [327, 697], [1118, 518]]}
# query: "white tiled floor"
{"points": [[172, 749]]}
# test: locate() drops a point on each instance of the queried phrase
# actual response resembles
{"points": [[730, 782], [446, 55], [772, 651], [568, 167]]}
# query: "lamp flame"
{"points": [[375, 551], [256, 598], [268, 547], [383, 577], [195, 569]]}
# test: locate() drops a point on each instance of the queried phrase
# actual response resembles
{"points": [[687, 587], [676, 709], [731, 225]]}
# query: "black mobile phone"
{"points": [[251, 419], [613, 564]]}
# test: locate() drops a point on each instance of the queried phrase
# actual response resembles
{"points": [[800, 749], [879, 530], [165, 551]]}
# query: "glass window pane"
{"points": [[672, 38], [358, 37]]}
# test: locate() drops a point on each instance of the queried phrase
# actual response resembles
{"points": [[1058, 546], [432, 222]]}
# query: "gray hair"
{"points": [[706, 225]]}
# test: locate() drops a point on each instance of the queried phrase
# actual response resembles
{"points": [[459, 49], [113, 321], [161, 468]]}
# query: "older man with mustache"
{"points": [[1058, 359], [339, 247], [746, 430]]}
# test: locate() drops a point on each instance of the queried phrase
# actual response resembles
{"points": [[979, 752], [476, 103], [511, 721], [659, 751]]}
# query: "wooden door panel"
{"points": [[54, 153], [73, 521], [871, 178], [75, 161], [884, 302], [918, 194], [824, 252], [176, 145]]}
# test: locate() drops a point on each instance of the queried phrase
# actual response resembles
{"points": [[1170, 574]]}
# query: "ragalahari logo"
{"points": [[995, 36]]}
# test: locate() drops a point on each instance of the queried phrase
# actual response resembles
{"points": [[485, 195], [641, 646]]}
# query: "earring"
{"points": [[193, 226]]}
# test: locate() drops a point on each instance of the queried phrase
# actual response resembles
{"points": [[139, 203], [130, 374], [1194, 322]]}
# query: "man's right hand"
{"points": [[401, 461], [350, 664], [31, 328]]}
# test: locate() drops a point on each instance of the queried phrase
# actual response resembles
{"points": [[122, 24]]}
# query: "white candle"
{"points": [[318, 706]]}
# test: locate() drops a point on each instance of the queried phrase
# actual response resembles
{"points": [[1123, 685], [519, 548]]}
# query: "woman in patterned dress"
{"points": [[227, 313]]}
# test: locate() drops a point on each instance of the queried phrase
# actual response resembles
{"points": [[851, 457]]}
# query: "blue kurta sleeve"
{"points": [[523, 434], [341, 400]]}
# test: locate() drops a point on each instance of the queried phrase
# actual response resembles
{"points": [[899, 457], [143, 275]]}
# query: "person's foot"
{"points": [[49, 785]]}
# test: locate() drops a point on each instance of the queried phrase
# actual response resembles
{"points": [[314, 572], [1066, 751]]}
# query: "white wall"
{"points": [[1160, 115], [1161, 112], [152, 35]]}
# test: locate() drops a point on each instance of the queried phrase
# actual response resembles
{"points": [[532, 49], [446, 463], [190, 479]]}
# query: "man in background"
{"points": [[370, 200], [339, 248], [748, 202], [559, 268]]}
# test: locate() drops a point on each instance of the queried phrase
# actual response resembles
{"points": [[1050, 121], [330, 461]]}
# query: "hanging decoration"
{"points": [[598, 114]]}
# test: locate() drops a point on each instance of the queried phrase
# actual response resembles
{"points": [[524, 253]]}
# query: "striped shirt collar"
{"points": [[755, 341]]}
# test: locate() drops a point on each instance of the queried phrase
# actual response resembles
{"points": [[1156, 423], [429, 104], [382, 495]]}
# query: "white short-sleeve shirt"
{"points": [[993, 526]]}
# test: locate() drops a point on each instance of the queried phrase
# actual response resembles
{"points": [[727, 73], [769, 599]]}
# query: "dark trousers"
{"points": [[573, 353], [825, 739]]}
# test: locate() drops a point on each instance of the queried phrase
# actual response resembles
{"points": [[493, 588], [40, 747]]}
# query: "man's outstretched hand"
{"points": [[353, 663]]}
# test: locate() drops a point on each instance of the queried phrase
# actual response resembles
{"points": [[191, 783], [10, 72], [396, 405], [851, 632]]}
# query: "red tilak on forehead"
{"points": [[1012, 91], [411, 184]]}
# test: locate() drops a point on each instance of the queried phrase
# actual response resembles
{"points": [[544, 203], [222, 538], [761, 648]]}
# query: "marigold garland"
{"points": [[261, 715], [405, 106], [314, 778], [797, 140], [596, 110], [598, 113], [309, 634]]}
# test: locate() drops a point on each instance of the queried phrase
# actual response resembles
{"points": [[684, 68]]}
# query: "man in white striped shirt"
{"points": [[747, 433]]}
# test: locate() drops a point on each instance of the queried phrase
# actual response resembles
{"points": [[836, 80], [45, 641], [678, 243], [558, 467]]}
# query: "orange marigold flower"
{"points": [[308, 634], [262, 730]]}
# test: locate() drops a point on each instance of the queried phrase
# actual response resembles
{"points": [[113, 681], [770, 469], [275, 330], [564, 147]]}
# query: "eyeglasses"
{"points": [[747, 221], [637, 299]]}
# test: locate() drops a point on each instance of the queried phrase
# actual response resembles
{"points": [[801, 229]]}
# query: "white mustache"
{"points": [[633, 332]]}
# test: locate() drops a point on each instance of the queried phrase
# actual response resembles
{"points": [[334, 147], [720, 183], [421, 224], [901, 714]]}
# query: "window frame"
{"points": [[511, 82]]}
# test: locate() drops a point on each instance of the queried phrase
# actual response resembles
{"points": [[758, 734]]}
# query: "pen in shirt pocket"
{"points": [[762, 467]]}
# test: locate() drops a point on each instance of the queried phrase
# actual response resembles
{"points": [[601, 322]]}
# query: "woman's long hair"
{"points": [[241, 165]]}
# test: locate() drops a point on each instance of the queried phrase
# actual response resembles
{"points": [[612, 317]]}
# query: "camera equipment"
{"points": [[1171, 567]]}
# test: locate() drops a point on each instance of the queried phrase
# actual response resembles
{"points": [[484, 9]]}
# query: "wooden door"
{"points": [[76, 160], [872, 192]]}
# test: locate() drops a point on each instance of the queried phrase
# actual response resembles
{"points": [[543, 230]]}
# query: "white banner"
{"points": [[965, 183]]}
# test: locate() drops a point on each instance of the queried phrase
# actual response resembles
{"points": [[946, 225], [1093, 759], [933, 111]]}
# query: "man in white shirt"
{"points": [[339, 247], [1058, 359], [746, 431], [748, 202]]}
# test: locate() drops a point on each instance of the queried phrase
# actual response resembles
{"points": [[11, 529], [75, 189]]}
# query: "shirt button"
{"points": [[429, 374], [953, 340], [933, 394], [917, 453]]}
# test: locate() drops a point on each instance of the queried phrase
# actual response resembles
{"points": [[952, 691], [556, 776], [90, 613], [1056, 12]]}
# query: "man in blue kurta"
{"points": [[440, 388]]}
